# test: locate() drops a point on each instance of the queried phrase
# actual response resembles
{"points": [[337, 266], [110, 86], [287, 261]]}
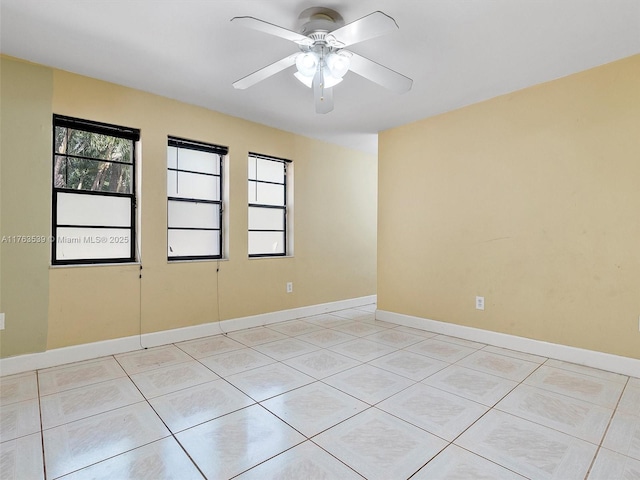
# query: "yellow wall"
{"points": [[531, 200], [25, 196], [334, 222]]}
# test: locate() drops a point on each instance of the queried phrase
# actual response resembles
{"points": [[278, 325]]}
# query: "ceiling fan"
{"points": [[322, 60]]}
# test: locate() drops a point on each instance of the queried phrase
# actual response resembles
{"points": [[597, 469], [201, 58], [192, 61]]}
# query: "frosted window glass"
{"points": [[266, 243], [193, 160], [266, 218], [187, 243], [76, 209], [252, 168], [266, 193], [253, 197], [193, 215], [93, 243], [172, 153], [266, 170], [192, 185]]}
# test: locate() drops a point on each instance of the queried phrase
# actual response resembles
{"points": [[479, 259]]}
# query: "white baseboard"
{"points": [[589, 358], [87, 351]]}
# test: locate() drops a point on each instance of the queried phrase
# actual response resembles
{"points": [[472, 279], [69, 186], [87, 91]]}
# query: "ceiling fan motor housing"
{"points": [[319, 19]]}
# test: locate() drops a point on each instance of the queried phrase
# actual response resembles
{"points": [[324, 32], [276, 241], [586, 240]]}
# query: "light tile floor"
{"points": [[337, 395]]}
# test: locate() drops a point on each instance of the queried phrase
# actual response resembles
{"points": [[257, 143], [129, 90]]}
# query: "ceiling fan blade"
{"points": [[265, 72], [379, 74], [271, 29], [371, 26], [323, 96]]}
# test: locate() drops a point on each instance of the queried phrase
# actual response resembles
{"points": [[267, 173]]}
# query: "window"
{"points": [[267, 206], [194, 200], [94, 195]]}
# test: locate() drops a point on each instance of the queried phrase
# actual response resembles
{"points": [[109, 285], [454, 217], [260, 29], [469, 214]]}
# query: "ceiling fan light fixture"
{"points": [[330, 80], [307, 64], [307, 81], [338, 64]]}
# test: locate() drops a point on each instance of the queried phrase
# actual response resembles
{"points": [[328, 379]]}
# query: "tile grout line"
{"points": [[171, 434], [44, 465], [332, 455], [606, 430], [491, 408]]}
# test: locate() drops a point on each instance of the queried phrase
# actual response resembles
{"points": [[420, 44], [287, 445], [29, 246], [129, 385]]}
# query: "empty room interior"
{"points": [[381, 240]]}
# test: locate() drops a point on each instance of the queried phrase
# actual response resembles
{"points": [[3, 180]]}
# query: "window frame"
{"points": [[99, 128], [284, 208], [222, 152]]}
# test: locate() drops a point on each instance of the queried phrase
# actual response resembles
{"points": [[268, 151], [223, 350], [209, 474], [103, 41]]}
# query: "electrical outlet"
{"points": [[1, 321], [479, 303], [289, 287]]}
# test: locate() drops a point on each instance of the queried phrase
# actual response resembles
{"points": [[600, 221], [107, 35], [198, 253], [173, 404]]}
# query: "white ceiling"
{"points": [[458, 52]]}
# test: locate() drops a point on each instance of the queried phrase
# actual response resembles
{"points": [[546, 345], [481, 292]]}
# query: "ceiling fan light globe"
{"points": [[329, 79], [331, 82], [307, 81], [307, 64], [338, 64]]}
